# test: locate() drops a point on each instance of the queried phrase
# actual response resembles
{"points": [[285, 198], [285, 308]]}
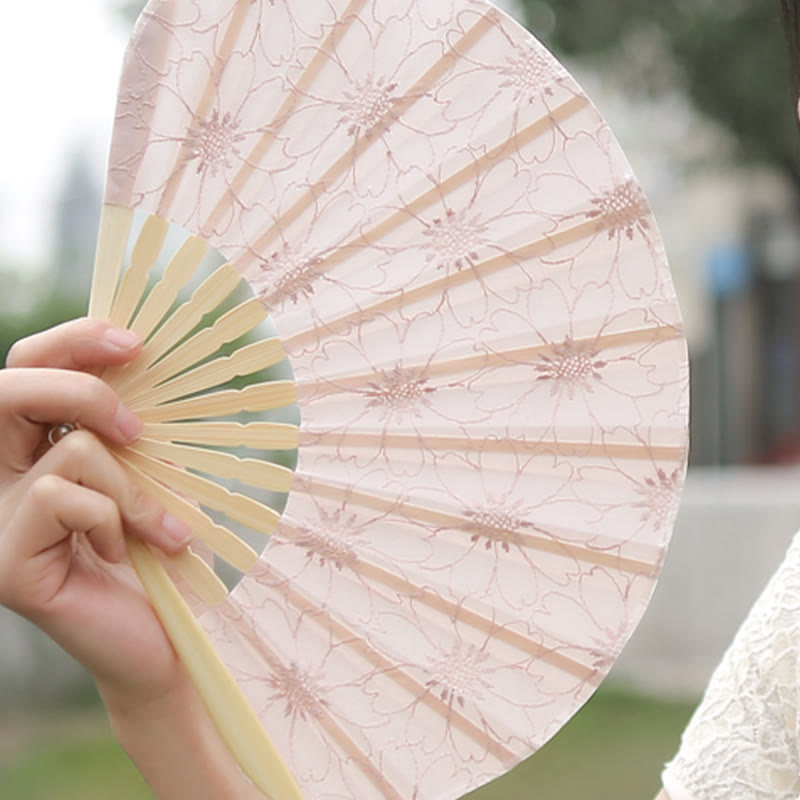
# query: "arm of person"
{"points": [[176, 748], [65, 513]]}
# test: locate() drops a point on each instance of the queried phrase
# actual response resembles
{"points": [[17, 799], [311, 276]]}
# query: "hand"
{"points": [[65, 510]]}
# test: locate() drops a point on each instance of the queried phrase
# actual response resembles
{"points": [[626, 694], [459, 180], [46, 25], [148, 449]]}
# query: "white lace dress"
{"points": [[743, 742]]}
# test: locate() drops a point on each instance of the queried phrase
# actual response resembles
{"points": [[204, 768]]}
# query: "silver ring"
{"points": [[58, 432]]}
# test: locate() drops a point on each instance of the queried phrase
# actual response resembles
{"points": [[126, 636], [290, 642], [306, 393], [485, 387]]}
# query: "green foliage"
{"points": [[729, 56], [615, 747], [48, 311], [88, 769]]}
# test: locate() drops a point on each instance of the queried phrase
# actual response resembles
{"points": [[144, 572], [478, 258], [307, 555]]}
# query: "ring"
{"points": [[58, 432]]}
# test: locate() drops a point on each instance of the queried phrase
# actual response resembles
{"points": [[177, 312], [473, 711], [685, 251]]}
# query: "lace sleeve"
{"points": [[742, 742]]}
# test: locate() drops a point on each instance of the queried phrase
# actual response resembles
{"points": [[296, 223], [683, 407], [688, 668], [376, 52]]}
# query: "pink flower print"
{"points": [[367, 106], [300, 689], [571, 366], [288, 272], [530, 73], [660, 495], [400, 393], [623, 209], [593, 612], [498, 525], [333, 539], [458, 673], [454, 239], [212, 141]]}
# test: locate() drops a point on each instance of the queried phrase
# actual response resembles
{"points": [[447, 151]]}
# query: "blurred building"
{"points": [[75, 221]]}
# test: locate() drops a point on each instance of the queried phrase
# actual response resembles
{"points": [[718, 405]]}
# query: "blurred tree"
{"points": [[129, 9], [728, 56], [45, 313]]}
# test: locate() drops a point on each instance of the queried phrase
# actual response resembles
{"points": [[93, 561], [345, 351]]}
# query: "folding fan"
{"points": [[476, 359]]}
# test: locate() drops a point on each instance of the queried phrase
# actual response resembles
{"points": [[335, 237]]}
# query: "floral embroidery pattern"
{"points": [[607, 646], [300, 689], [367, 105], [530, 73], [624, 209], [212, 141], [660, 497], [572, 366], [400, 392], [453, 240], [420, 195], [333, 540], [459, 673], [289, 272], [499, 526]]}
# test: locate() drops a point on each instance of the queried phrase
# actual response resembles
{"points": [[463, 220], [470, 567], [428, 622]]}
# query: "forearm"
{"points": [[178, 751]]}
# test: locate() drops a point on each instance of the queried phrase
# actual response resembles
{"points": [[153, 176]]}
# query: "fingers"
{"points": [[82, 344], [53, 396], [71, 508], [57, 485]]}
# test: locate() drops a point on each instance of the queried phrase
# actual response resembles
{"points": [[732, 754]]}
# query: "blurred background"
{"points": [[698, 93]]}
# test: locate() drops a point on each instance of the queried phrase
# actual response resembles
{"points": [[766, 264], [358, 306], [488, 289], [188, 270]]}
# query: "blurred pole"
{"points": [[776, 243], [730, 391]]}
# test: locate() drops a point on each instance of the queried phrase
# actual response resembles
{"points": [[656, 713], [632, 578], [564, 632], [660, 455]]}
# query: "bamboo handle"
{"points": [[235, 720]]}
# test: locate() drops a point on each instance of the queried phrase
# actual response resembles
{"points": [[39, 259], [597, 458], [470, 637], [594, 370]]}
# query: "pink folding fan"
{"points": [[473, 354]]}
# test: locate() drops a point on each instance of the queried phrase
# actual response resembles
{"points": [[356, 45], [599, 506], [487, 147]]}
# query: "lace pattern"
{"points": [[742, 742]]}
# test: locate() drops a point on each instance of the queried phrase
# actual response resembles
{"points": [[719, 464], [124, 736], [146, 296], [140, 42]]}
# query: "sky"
{"points": [[59, 68]]}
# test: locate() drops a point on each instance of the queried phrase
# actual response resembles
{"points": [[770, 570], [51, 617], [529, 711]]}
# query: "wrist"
{"points": [[131, 710], [174, 744]]}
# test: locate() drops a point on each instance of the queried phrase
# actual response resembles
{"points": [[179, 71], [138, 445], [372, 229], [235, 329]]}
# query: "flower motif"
{"points": [[367, 105], [497, 523], [623, 209], [659, 497], [333, 539], [458, 673], [212, 141], [300, 689], [597, 614], [572, 365], [454, 239], [529, 73], [369, 102], [287, 272], [399, 393]]}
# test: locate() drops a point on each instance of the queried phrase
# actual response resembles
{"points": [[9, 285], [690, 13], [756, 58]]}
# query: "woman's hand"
{"points": [[65, 511]]}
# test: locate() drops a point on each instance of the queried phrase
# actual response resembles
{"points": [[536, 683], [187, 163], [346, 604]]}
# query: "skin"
{"points": [[65, 513]]}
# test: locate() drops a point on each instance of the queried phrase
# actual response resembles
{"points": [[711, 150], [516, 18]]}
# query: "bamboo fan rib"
{"points": [[166, 390], [134, 281], [209, 673], [199, 576], [441, 441], [219, 539], [260, 474], [259, 435]]}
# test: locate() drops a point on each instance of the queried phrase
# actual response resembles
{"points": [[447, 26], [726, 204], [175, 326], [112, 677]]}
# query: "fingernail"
{"points": [[128, 424], [176, 529], [121, 339]]}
